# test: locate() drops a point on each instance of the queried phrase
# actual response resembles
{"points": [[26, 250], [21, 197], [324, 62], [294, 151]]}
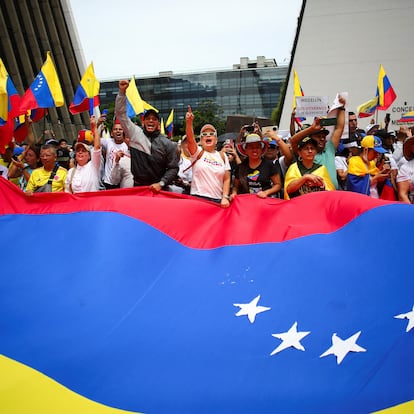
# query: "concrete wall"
{"points": [[341, 45]]}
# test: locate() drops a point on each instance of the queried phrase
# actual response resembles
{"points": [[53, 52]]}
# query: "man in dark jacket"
{"points": [[154, 158]]}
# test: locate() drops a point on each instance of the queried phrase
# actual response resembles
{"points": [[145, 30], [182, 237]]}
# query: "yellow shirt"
{"points": [[40, 177], [294, 173]]}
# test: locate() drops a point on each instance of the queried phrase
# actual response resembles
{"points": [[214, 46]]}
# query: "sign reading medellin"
{"points": [[311, 106]]}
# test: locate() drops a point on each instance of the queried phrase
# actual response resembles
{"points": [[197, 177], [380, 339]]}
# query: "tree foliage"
{"points": [[209, 112]]}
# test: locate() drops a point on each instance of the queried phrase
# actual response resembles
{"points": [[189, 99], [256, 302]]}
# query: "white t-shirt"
{"points": [[111, 149], [86, 177], [208, 174], [406, 173], [4, 171], [341, 163], [121, 173]]}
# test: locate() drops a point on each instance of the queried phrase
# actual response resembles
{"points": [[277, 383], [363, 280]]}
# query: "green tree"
{"points": [[209, 112]]}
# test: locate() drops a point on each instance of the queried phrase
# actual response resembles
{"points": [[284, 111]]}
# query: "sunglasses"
{"points": [[208, 134]]}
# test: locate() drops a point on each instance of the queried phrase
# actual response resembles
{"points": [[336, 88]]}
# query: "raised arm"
{"points": [[189, 131], [340, 124], [295, 139], [134, 132]]}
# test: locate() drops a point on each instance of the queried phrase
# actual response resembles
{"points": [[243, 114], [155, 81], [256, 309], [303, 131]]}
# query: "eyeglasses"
{"points": [[208, 134]]}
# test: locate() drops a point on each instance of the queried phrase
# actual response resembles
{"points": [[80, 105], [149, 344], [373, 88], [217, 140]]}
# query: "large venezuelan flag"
{"points": [[128, 301]]}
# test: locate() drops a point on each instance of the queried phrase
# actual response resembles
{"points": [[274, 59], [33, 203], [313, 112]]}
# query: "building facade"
{"points": [[28, 30], [251, 88], [340, 46]]}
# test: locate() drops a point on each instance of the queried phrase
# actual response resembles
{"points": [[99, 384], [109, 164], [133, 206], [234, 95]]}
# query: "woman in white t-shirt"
{"points": [[85, 176], [211, 169]]}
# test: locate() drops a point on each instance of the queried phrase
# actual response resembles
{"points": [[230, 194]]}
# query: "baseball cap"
{"points": [[373, 142], [307, 140], [153, 112]]}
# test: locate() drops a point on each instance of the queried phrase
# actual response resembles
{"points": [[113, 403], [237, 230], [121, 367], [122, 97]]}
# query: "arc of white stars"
{"points": [[410, 317], [340, 348], [39, 83], [291, 338], [250, 309]]}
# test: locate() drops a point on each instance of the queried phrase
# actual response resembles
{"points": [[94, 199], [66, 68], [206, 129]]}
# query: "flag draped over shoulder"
{"points": [[45, 91], [87, 94], [225, 319], [385, 92], [169, 125], [9, 107], [135, 104]]}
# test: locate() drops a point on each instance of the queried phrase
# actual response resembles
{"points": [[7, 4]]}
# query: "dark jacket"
{"points": [[153, 159], [160, 165]]}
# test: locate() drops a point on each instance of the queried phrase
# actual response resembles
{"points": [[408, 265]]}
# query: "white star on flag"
{"points": [[340, 347], [250, 309], [410, 317], [291, 338]]}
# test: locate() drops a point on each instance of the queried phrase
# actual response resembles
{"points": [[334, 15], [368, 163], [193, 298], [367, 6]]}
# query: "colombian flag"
{"points": [[367, 108], [45, 91], [129, 301], [407, 117], [87, 94], [385, 92]]}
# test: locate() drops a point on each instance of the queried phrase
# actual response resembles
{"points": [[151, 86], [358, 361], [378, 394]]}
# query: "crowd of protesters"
{"points": [[375, 161]]}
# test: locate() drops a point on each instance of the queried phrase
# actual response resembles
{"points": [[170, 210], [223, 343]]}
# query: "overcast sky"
{"points": [[132, 37]]}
